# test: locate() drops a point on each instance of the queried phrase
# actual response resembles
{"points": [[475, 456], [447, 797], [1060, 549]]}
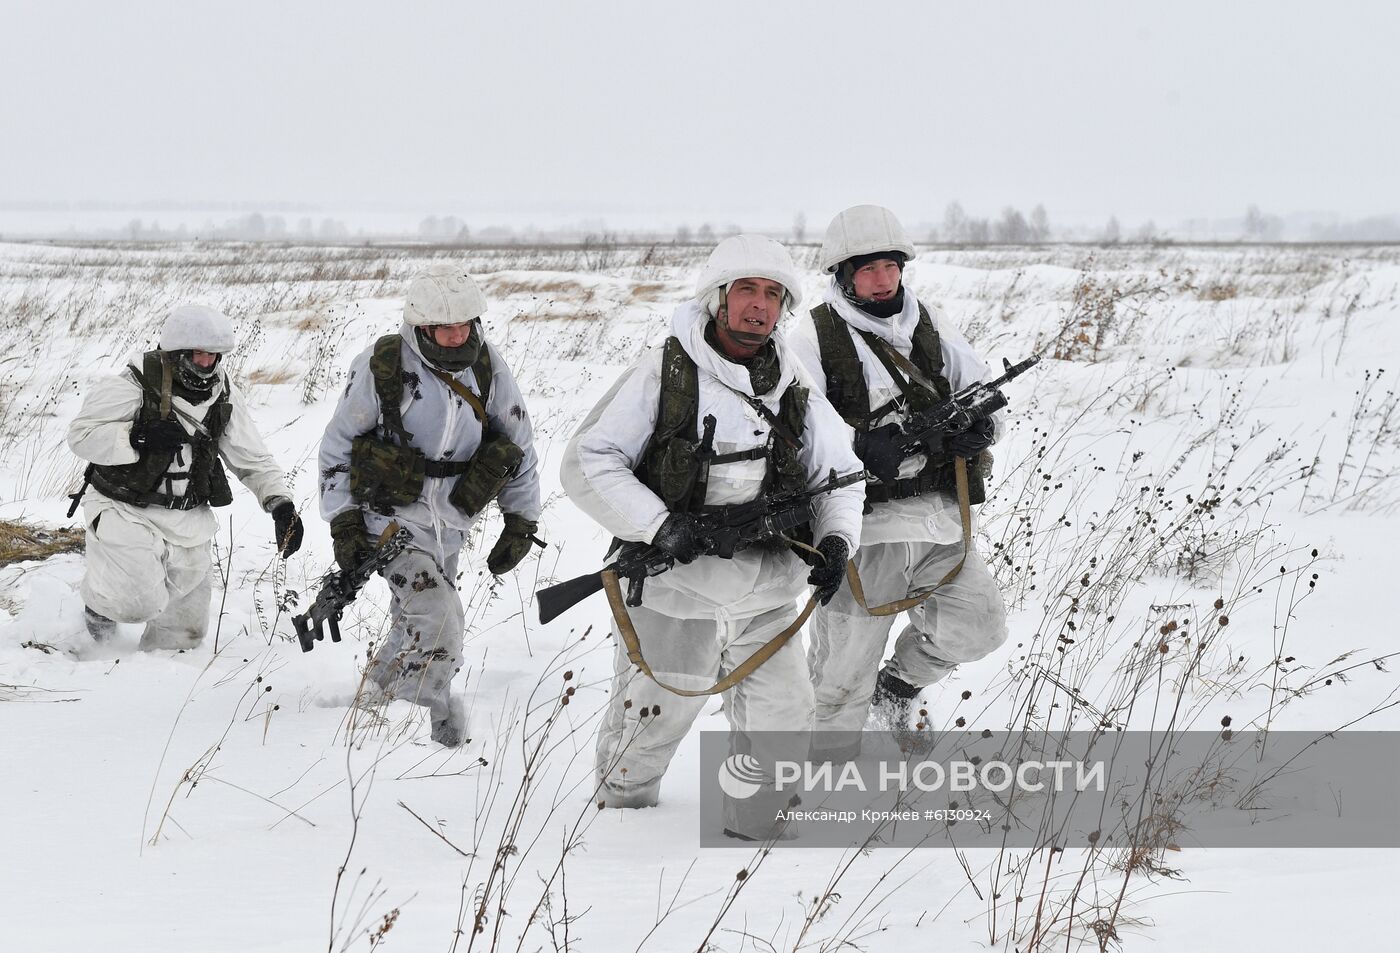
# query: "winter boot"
{"points": [[634, 795], [99, 626], [156, 638], [892, 702], [449, 723]]}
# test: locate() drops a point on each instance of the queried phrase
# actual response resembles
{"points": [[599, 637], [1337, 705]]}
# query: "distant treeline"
{"points": [[1010, 226]]}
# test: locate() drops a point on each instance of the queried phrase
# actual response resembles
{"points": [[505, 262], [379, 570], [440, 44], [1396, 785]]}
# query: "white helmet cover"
{"points": [[443, 296], [863, 230], [195, 327], [747, 256]]}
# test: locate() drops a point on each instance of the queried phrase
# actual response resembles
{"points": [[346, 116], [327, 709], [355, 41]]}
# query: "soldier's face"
{"points": [[451, 335], [204, 359], [750, 313], [877, 280]]}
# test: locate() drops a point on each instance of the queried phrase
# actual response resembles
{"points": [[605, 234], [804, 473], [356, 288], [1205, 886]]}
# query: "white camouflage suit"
{"points": [[423, 649], [147, 563], [702, 619], [906, 545]]}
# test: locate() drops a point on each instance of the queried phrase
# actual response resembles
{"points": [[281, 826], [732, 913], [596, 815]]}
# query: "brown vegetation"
{"points": [[20, 542], [271, 375]]}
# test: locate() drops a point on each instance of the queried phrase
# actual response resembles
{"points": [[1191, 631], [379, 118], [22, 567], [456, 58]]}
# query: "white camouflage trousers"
{"points": [[962, 622], [644, 723], [422, 651], [133, 574]]}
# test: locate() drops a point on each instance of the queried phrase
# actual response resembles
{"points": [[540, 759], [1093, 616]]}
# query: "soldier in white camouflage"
{"points": [[431, 429], [158, 437], [879, 354], [639, 465]]}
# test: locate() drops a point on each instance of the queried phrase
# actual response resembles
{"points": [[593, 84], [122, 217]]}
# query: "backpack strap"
{"points": [[927, 352], [679, 404], [386, 364], [845, 381], [481, 370]]}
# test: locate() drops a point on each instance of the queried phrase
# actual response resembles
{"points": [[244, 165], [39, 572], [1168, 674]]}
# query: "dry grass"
{"points": [[504, 285], [271, 375], [586, 316], [20, 542], [645, 291], [1222, 291]]}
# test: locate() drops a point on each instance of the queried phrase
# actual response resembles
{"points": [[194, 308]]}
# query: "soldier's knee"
{"points": [[980, 635], [137, 604]]}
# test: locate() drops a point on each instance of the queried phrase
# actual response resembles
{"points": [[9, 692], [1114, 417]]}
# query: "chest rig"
{"points": [[150, 481], [387, 471], [849, 394], [675, 465]]}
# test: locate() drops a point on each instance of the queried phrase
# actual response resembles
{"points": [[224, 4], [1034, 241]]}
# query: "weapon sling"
{"points": [[964, 509], [461, 391], [900, 605], [892, 359], [741, 671]]}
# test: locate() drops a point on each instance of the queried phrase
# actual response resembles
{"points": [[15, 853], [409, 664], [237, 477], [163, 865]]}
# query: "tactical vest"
{"points": [[149, 481], [675, 464], [847, 391], [387, 471]]}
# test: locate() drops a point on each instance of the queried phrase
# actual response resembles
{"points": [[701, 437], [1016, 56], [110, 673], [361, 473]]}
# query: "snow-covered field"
{"points": [[1205, 418]]}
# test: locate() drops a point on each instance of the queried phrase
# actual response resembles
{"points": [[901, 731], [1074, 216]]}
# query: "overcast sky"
{"points": [[722, 111]]}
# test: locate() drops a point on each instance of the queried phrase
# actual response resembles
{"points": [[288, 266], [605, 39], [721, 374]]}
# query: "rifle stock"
{"points": [[559, 598]]}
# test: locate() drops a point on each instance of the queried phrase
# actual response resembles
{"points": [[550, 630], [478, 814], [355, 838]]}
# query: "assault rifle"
{"points": [[340, 587], [888, 445], [726, 531], [77, 497]]}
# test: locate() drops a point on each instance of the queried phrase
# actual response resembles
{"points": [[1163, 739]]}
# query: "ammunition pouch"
{"points": [[383, 474], [674, 471], [486, 473], [207, 477], [930, 480]]}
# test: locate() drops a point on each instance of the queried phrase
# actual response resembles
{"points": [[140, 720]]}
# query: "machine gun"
{"points": [[726, 531], [340, 587]]}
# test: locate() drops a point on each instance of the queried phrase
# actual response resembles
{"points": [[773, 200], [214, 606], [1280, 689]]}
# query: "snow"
{"points": [[207, 799]]}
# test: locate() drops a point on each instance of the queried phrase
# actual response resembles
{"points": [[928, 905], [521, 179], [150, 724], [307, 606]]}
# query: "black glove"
{"points": [[971, 441], [827, 576], [289, 529], [159, 435], [882, 451], [351, 539], [681, 537], [516, 539]]}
